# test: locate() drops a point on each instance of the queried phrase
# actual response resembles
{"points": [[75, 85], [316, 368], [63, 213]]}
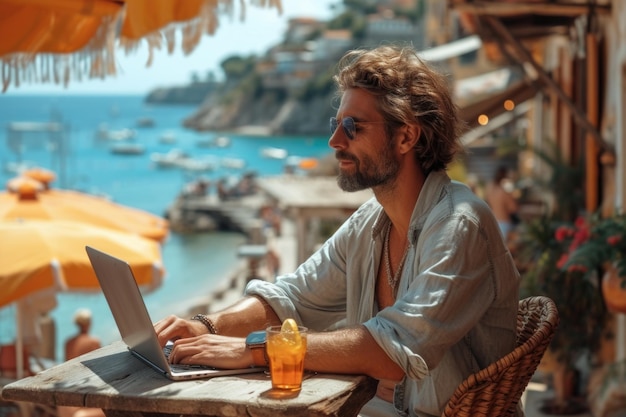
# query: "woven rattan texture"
{"points": [[496, 390]]}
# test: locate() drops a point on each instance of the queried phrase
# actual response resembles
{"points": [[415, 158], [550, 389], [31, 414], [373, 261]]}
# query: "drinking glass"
{"points": [[286, 350]]}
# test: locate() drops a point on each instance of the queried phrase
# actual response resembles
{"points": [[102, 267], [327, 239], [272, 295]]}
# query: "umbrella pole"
{"points": [[19, 343]]}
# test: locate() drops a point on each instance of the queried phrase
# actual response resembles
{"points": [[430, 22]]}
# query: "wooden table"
{"points": [[112, 379]]}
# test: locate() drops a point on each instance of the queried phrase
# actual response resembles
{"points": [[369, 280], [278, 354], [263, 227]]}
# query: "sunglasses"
{"points": [[348, 124]]}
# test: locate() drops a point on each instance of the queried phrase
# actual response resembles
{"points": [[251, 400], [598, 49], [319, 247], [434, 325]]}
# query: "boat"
{"points": [[273, 153], [217, 142], [145, 122], [104, 133], [170, 159], [196, 164], [233, 163], [121, 134], [168, 137], [222, 141], [127, 149]]}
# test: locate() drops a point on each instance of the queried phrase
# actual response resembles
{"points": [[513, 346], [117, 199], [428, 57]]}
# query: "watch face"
{"points": [[256, 338]]}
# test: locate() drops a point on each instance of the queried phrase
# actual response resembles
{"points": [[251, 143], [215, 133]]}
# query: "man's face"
{"points": [[367, 160]]}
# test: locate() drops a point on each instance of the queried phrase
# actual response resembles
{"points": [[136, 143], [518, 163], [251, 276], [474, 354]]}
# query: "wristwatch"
{"points": [[255, 341]]}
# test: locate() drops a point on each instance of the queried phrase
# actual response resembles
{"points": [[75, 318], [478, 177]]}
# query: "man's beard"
{"points": [[368, 173]]}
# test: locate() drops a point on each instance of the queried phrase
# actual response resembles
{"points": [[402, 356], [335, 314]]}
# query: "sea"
{"points": [[196, 263]]}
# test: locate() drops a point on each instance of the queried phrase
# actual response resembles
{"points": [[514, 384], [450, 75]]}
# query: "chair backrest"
{"points": [[497, 389]]}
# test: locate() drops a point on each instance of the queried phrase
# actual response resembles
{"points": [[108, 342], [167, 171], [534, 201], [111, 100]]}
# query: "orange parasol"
{"points": [[38, 255], [28, 198], [58, 28], [41, 257]]}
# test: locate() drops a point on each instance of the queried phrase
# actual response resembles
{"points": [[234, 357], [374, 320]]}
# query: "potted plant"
{"points": [[578, 298], [597, 245], [540, 254]]}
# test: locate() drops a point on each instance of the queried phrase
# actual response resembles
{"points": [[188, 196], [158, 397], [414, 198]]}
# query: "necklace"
{"points": [[395, 278]]}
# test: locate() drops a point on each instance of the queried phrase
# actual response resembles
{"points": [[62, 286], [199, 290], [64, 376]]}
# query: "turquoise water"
{"points": [[195, 263]]}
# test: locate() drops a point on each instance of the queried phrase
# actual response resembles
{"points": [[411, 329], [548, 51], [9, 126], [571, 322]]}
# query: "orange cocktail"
{"points": [[286, 347]]}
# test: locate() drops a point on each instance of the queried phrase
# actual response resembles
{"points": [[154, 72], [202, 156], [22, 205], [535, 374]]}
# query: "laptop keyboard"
{"points": [[167, 349]]}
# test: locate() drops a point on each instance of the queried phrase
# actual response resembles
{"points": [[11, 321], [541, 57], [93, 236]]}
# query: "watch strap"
{"points": [[259, 356]]}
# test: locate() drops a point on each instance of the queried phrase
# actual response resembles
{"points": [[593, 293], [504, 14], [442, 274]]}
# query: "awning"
{"points": [[452, 49], [495, 123], [468, 89], [494, 105]]}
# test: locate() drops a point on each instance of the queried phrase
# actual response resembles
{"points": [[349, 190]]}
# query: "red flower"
{"points": [[580, 223], [562, 233], [614, 240], [582, 235]]}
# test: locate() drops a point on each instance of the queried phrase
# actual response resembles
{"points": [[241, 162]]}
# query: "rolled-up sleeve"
{"points": [[315, 294]]}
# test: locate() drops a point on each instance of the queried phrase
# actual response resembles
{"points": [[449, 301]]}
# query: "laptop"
{"points": [[133, 321]]}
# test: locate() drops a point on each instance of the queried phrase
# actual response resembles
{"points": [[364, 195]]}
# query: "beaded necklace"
{"points": [[395, 278]]}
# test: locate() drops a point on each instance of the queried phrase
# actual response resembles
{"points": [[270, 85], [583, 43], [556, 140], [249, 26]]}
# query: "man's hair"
{"points": [[408, 91]]}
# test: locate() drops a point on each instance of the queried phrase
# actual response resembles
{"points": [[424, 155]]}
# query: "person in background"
{"points": [[77, 345], [417, 288], [82, 342], [502, 202]]}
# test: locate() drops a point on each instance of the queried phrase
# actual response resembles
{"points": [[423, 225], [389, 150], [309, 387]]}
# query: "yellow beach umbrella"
{"points": [[39, 255], [27, 198]]}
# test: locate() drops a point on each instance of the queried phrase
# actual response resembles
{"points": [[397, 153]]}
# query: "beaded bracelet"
{"points": [[206, 321]]}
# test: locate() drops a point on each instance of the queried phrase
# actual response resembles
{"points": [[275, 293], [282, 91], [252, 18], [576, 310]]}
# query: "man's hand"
{"points": [[174, 328], [212, 350]]}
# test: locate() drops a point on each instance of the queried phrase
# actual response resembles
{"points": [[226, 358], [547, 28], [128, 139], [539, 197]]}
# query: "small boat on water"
{"points": [[145, 122], [222, 141], [216, 142], [197, 164], [233, 163], [273, 153], [104, 133], [170, 159], [177, 158], [122, 134], [168, 137], [127, 149]]}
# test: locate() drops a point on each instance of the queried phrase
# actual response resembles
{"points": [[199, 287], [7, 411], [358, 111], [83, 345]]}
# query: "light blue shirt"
{"points": [[456, 308]]}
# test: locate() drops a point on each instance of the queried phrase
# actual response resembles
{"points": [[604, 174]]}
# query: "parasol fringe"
{"points": [[97, 59], [62, 68]]}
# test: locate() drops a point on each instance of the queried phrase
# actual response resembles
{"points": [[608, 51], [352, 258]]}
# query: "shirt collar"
{"points": [[431, 193]]}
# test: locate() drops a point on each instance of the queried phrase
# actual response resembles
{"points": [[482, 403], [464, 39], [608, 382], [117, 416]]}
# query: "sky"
{"points": [[261, 28]]}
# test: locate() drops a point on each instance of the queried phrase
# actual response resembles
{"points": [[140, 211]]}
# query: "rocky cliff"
{"points": [[266, 114], [194, 93]]}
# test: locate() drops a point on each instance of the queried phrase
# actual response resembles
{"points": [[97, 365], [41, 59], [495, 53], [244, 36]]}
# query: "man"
{"points": [[501, 201], [82, 342], [416, 288]]}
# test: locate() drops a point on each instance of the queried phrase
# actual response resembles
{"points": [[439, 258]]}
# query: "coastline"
{"points": [[231, 288]]}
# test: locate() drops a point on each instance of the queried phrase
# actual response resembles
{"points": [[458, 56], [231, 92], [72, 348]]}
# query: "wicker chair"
{"points": [[496, 390]]}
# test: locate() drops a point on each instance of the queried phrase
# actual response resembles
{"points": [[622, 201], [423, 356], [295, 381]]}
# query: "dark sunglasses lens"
{"points": [[347, 124], [333, 125], [349, 127]]}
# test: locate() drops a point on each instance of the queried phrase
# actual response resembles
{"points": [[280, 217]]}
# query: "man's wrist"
{"points": [[255, 341], [204, 319]]}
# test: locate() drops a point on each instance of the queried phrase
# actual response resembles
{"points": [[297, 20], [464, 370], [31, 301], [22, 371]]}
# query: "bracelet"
{"points": [[206, 321]]}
